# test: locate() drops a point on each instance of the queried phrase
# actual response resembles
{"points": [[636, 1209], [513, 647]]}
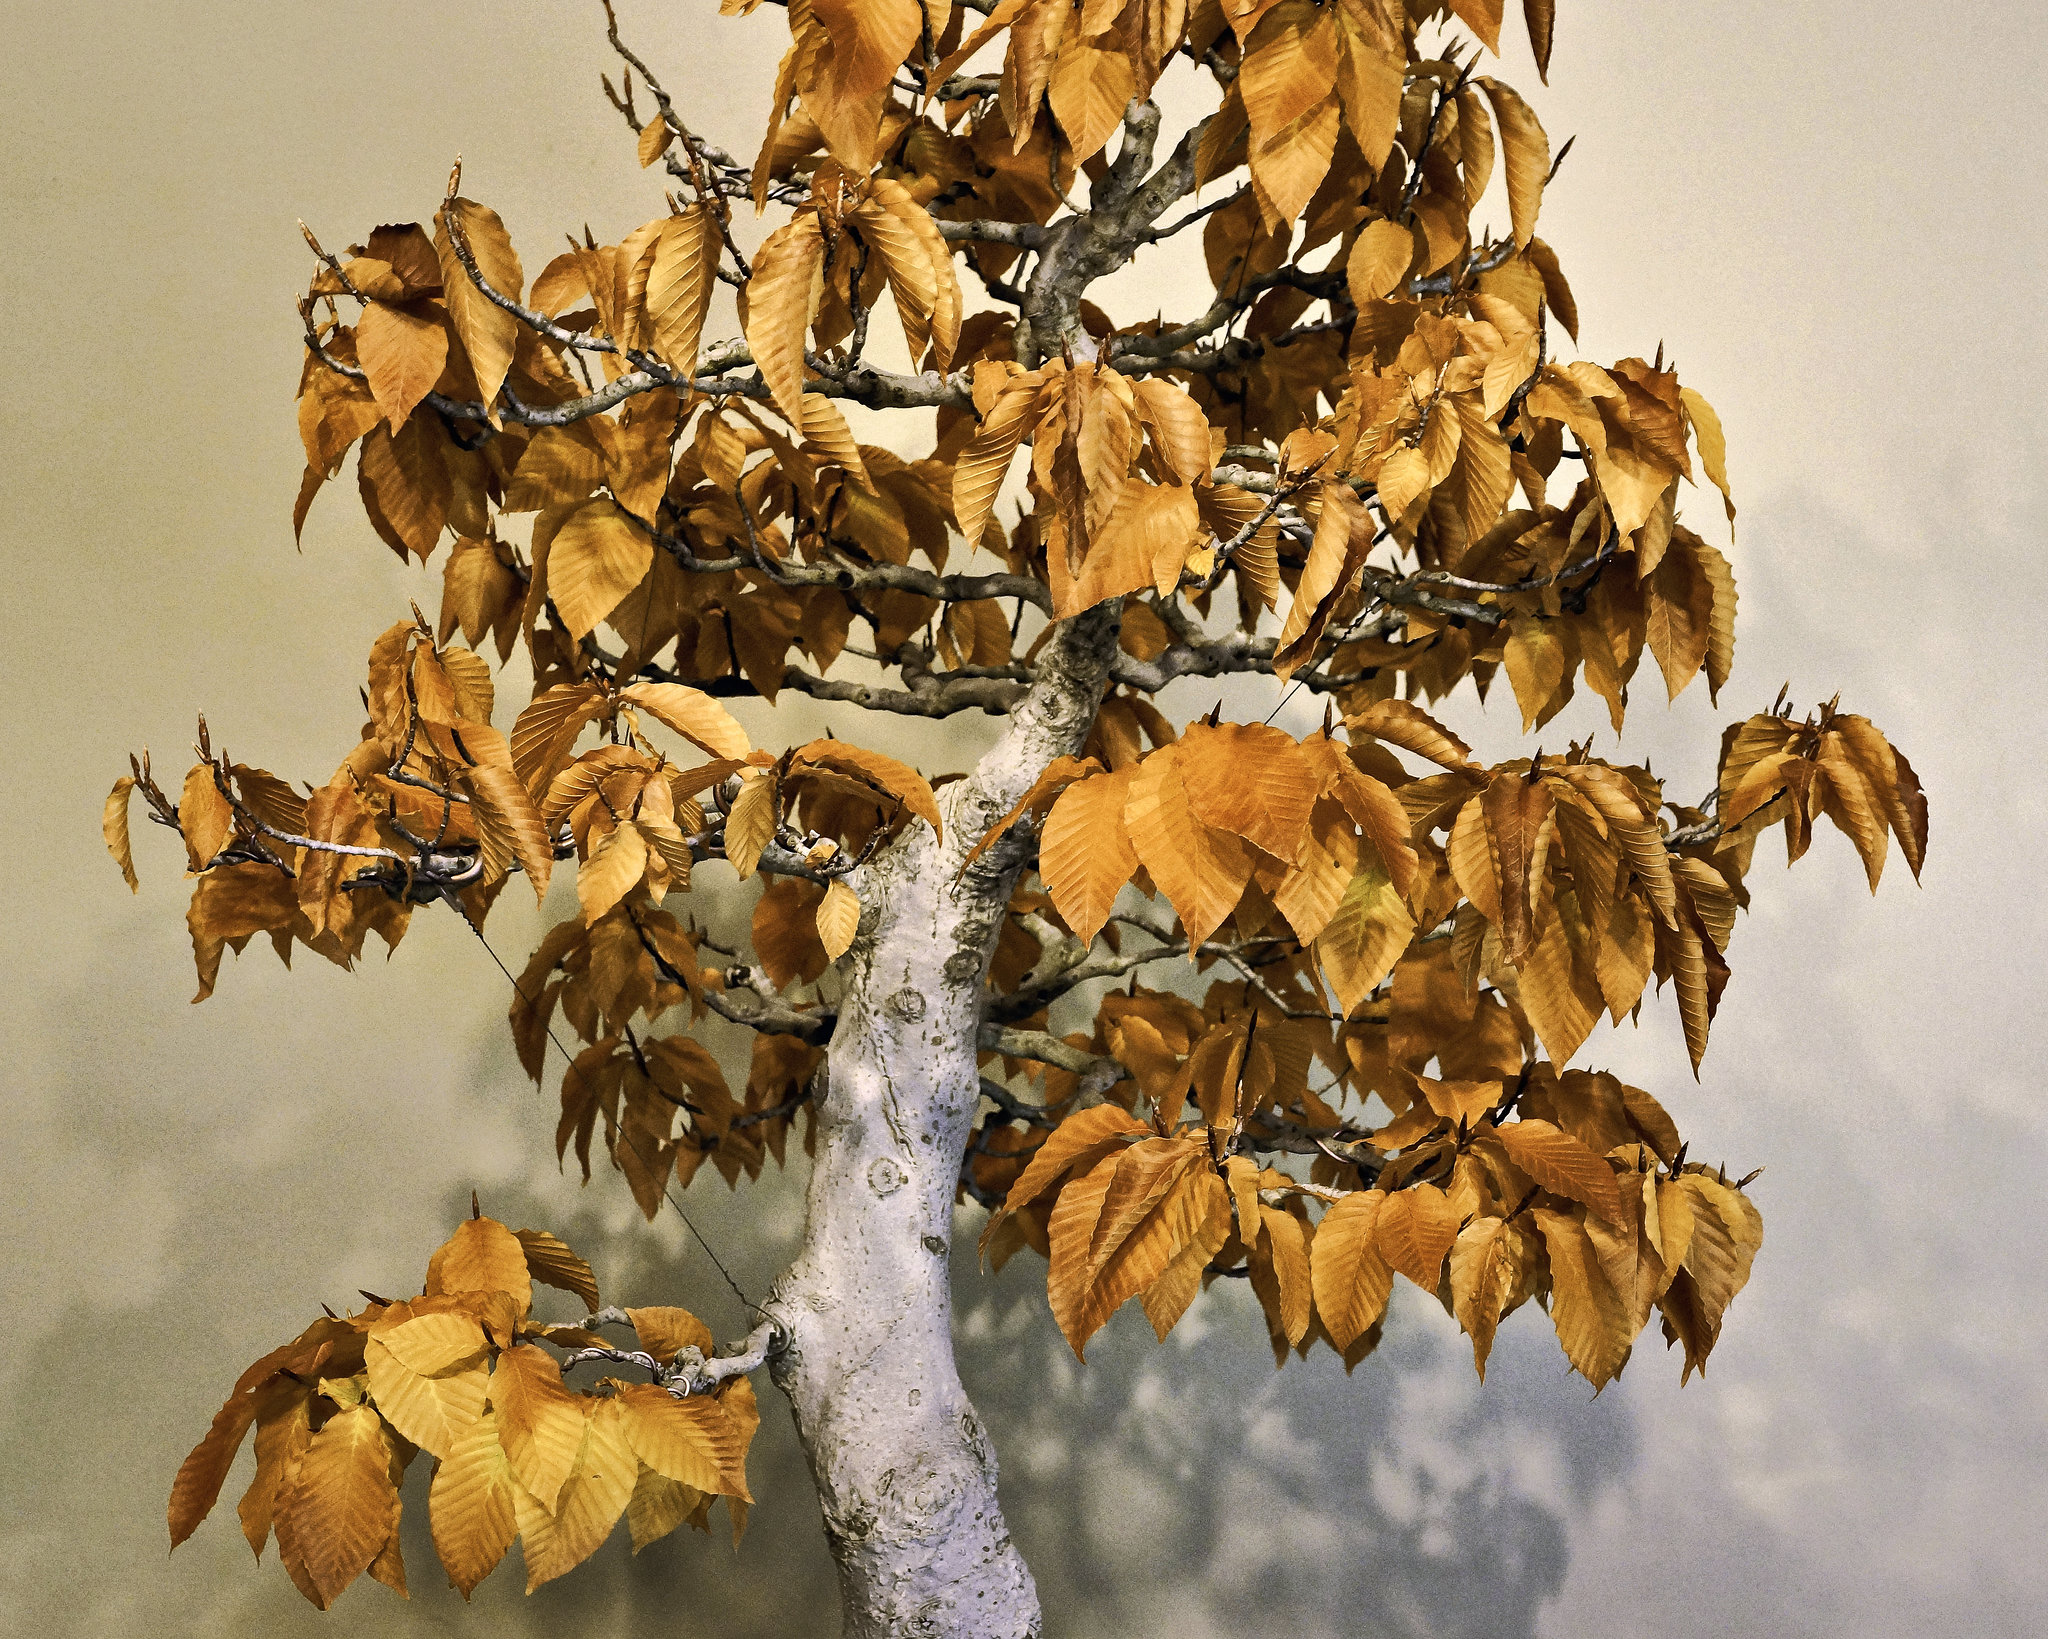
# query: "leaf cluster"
{"points": [[464, 1373]]}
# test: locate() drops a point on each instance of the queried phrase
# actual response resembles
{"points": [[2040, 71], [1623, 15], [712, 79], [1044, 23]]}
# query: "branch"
{"points": [[1097, 1071], [1083, 248], [853, 577], [690, 1372]]}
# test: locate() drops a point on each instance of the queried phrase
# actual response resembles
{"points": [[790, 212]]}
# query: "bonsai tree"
{"points": [[1172, 1000]]}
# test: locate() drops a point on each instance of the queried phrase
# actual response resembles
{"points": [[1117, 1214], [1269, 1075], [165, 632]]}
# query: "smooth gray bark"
{"points": [[905, 1473]]}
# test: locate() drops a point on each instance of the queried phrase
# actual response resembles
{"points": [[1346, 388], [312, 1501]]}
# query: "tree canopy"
{"points": [[1302, 1010]]}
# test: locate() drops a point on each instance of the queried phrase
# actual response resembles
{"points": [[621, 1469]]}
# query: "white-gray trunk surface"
{"points": [[905, 1473]]}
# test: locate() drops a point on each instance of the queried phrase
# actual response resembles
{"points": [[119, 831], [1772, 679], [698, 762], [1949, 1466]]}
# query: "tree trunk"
{"points": [[905, 1473]]}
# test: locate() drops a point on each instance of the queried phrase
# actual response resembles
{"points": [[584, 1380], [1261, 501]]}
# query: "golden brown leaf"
{"points": [[1352, 1279], [342, 1506], [402, 350], [592, 1497], [488, 333], [114, 827], [1412, 729], [1561, 1164], [663, 1330], [1200, 870], [481, 1256], [1414, 1230], [690, 1441], [200, 1476], [472, 1506], [1085, 855], [781, 297], [1591, 1321], [549, 1260], [750, 822], [540, 1423], [679, 284], [598, 556], [1251, 780]]}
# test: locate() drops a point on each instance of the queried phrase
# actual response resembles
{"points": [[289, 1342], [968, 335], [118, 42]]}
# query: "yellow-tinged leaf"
{"points": [[692, 1441], [1561, 1164], [1364, 936], [481, 1256], [430, 1344], [1591, 1320], [432, 1410], [750, 822], [489, 335], [1527, 154], [1712, 444], [1286, 1243], [781, 297], [590, 1500], [114, 827], [1538, 664], [1404, 475], [598, 556], [1415, 1228], [679, 285], [1457, 1101], [615, 868], [471, 1504], [1085, 855], [1352, 1279], [1379, 261], [838, 917], [342, 1506], [658, 1505], [540, 1423]]}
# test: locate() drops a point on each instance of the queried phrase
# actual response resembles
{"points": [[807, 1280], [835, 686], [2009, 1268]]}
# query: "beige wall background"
{"points": [[1831, 214]]}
